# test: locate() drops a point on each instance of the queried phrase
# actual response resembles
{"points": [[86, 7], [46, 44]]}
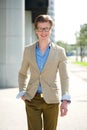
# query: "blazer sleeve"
{"points": [[64, 73]]}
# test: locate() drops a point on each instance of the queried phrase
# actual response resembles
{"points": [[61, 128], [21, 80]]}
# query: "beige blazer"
{"points": [[56, 61]]}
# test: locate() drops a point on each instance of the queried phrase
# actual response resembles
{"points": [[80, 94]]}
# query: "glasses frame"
{"points": [[40, 29]]}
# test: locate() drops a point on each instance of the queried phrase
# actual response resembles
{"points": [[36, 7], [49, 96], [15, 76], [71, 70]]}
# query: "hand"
{"points": [[23, 98], [64, 108]]}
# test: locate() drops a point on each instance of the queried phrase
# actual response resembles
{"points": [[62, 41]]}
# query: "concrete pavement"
{"points": [[12, 110], [76, 118]]}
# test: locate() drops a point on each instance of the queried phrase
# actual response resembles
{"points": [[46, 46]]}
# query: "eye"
{"points": [[47, 29]]}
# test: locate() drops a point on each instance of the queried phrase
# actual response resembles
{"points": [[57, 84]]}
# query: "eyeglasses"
{"points": [[39, 29]]}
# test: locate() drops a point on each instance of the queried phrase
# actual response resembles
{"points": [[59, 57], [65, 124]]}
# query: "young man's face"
{"points": [[43, 30]]}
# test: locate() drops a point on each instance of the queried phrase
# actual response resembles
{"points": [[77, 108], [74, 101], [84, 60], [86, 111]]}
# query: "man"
{"points": [[44, 60]]}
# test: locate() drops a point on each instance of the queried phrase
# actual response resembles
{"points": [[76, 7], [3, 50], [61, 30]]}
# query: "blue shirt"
{"points": [[41, 61]]}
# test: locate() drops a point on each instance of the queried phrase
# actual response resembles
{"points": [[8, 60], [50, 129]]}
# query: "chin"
{"points": [[44, 38]]}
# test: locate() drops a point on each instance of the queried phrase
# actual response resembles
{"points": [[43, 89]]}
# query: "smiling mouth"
{"points": [[43, 36]]}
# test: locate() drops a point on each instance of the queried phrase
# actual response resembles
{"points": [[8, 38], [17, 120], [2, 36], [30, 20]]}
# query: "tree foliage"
{"points": [[82, 35], [81, 40], [68, 48]]}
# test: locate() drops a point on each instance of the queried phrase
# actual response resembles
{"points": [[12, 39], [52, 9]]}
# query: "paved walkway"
{"points": [[79, 71], [12, 110], [77, 114]]}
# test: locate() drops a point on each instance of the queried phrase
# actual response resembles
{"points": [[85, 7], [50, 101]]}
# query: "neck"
{"points": [[43, 45]]}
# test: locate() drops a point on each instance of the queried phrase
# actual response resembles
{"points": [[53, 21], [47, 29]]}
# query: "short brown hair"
{"points": [[43, 18]]}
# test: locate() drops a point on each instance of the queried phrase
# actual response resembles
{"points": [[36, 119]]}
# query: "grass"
{"points": [[81, 63]]}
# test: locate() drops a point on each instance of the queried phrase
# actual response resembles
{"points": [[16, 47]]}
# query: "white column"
{"points": [[51, 12], [11, 40], [30, 35], [28, 27]]}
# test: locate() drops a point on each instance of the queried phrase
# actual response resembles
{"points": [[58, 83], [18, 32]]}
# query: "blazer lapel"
{"points": [[50, 58], [33, 58]]}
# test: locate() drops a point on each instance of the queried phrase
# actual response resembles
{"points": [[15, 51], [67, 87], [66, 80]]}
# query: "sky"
{"points": [[69, 15]]}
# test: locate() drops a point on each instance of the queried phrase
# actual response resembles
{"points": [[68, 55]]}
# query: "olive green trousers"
{"points": [[40, 115]]}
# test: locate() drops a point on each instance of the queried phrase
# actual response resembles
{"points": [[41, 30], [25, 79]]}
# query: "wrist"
{"points": [[68, 101]]}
